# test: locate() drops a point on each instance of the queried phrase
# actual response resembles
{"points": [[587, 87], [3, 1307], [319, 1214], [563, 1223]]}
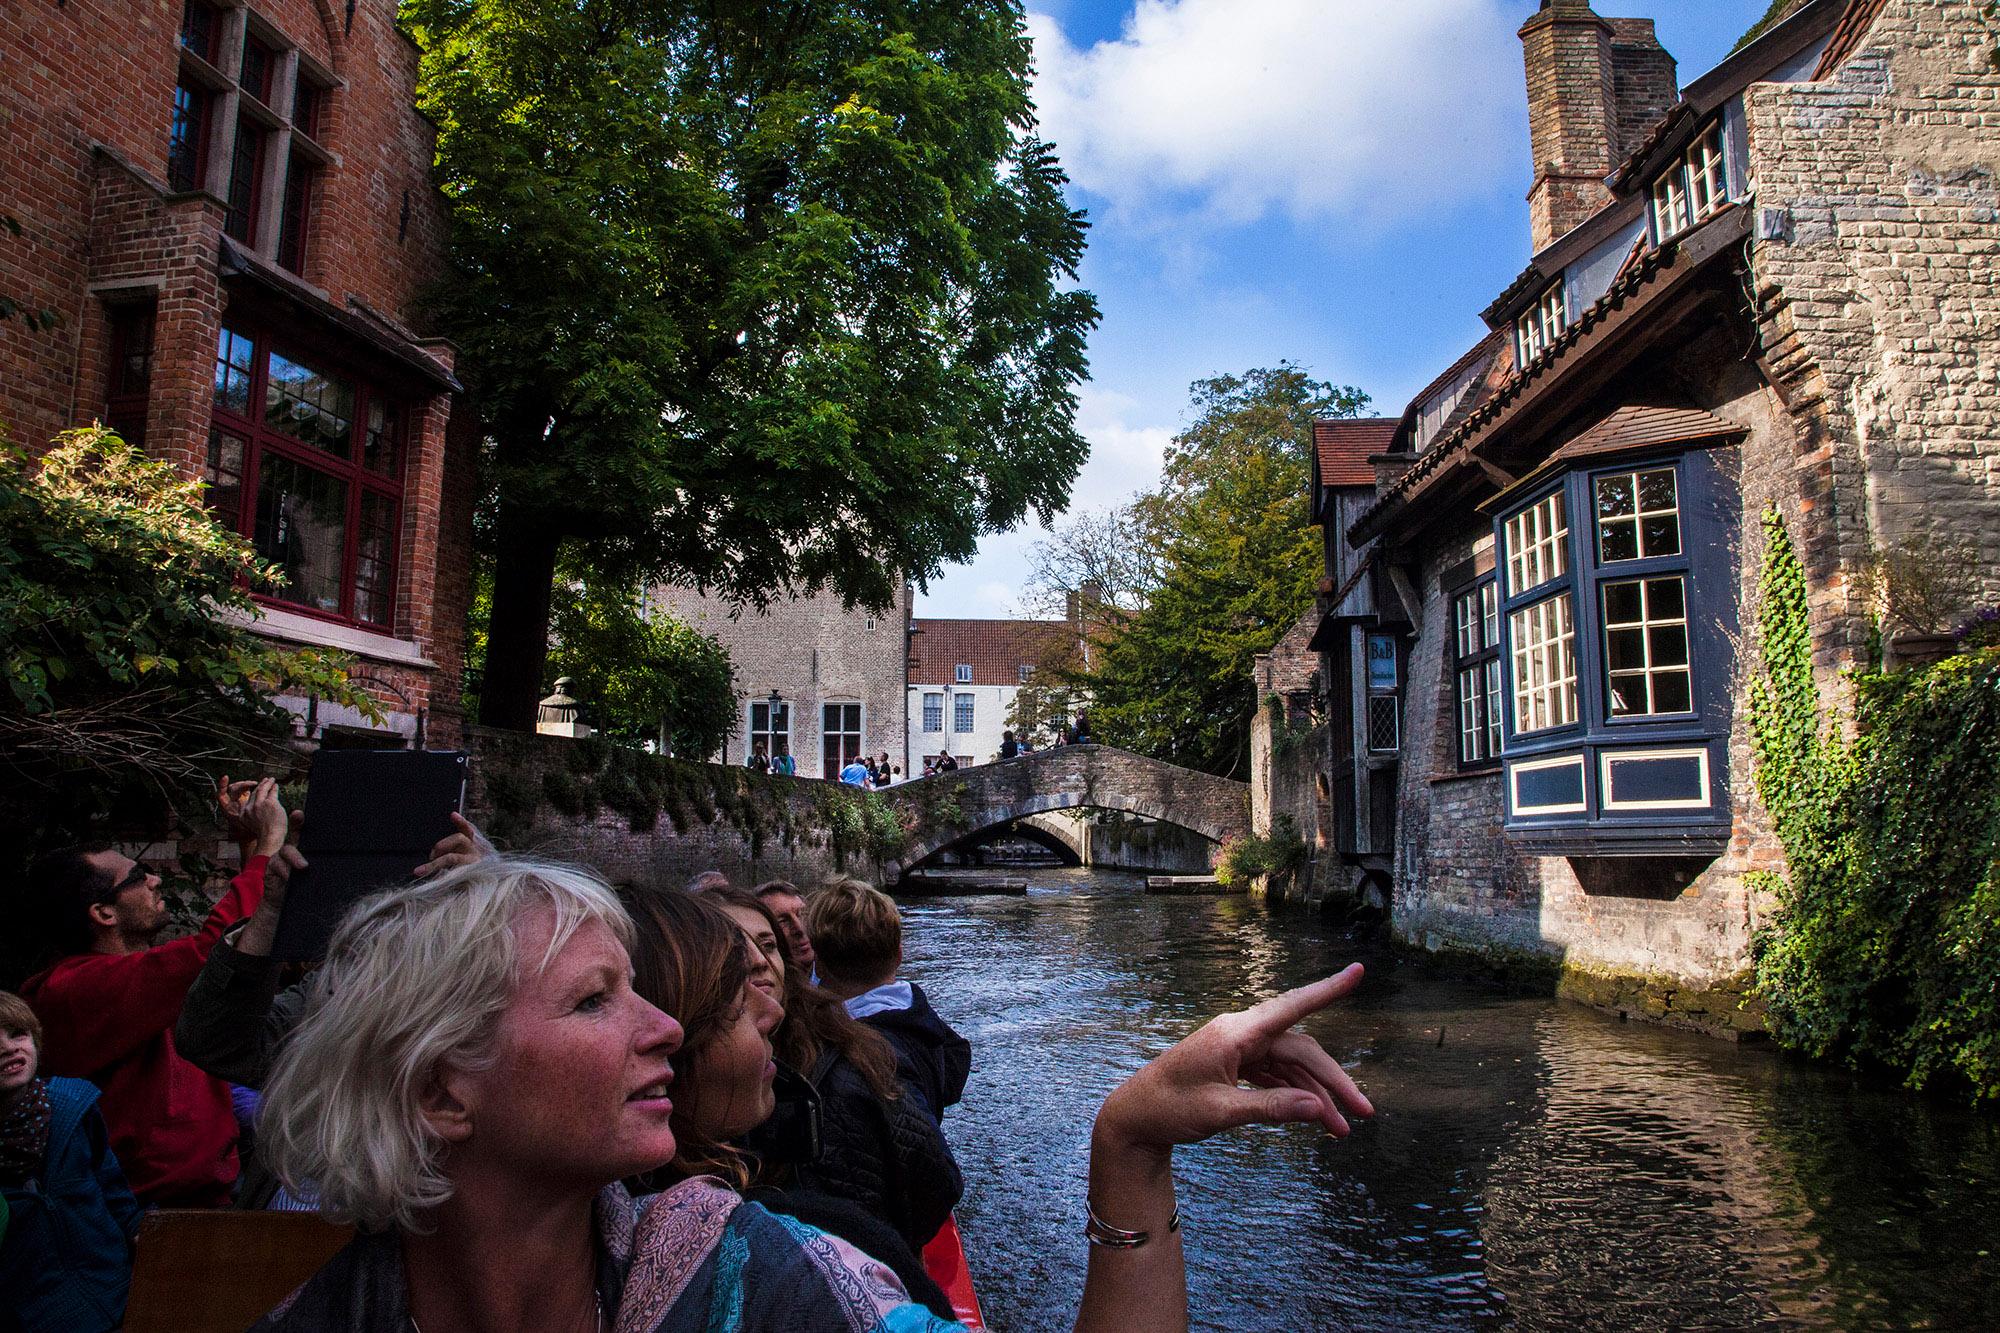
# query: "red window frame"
{"points": [[129, 385], [258, 68], [262, 442], [293, 228], [200, 21], [189, 148], [308, 104]]}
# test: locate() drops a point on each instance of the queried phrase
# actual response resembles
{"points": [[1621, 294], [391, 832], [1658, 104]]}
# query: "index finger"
{"points": [[1282, 1011]]}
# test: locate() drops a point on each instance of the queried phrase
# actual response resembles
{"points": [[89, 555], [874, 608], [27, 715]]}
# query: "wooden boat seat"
{"points": [[219, 1271]]}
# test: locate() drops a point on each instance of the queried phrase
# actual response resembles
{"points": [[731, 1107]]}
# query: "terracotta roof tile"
{"points": [[1344, 444], [996, 650], [1854, 26], [1641, 425]]}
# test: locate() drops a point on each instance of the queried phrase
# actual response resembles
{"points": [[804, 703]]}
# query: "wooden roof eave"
{"points": [[1556, 392]]}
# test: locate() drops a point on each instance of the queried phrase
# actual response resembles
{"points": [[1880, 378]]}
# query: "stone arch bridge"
{"points": [[957, 807]]}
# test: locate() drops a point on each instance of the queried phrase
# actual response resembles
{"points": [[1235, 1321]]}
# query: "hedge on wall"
{"points": [[1885, 947]]}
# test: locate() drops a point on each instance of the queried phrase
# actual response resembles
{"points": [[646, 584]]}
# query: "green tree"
{"points": [[757, 298], [131, 678], [1234, 561], [642, 677]]}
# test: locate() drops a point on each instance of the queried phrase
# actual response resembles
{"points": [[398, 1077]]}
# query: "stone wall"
{"points": [[1289, 751], [1878, 300], [813, 651], [578, 801]]}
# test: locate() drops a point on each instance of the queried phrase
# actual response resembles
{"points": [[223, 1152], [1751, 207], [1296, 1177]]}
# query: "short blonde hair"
{"points": [[415, 982], [857, 934]]}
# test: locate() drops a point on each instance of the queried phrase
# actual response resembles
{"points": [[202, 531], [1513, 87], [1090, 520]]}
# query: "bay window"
{"points": [[1617, 599], [307, 461]]}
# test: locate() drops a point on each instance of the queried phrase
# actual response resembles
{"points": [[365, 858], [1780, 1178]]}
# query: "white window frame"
{"points": [[1693, 188], [1027, 671], [964, 713], [1541, 639], [1538, 544], [1636, 520], [1541, 324], [770, 734], [933, 713], [962, 674], [1645, 625]]}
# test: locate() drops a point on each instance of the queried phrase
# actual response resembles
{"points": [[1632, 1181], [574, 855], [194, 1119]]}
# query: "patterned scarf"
{"points": [[24, 1134]]}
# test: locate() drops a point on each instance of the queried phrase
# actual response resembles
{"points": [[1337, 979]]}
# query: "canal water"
{"points": [[1534, 1165]]}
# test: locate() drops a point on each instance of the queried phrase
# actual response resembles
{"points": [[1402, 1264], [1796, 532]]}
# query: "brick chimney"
{"points": [[1595, 86], [1645, 81], [1572, 123]]}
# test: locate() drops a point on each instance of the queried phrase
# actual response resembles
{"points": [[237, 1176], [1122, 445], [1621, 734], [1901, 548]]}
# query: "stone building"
{"points": [[227, 207], [964, 676], [1770, 289], [819, 680]]}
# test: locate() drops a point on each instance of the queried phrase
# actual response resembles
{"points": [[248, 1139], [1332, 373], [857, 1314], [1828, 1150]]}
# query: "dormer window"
{"points": [[1694, 188], [1544, 322]]}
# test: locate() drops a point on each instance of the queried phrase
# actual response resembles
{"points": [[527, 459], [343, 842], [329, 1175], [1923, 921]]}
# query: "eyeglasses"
{"points": [[138, 876]]}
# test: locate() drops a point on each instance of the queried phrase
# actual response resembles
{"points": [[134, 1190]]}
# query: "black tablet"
{"points": [[372, 817]]}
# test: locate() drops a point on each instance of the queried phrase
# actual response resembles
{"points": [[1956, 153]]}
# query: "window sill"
{"points": [[1614, 840], [1465, 775], [292, 627]]}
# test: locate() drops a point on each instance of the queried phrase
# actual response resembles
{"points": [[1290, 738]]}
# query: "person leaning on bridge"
{"points": [[475, 1074]]}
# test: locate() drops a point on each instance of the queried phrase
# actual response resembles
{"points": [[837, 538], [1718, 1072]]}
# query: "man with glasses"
{"points": [[108, 1004]]}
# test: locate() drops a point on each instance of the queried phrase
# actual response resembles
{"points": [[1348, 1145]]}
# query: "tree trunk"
{"points": [[517, 636]]}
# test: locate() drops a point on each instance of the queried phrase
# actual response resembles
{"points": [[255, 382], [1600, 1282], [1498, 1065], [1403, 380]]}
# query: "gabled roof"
{"points": [[1854, 26], [996, 650], [1682, 254], [1478, 354], [1341, 447]]}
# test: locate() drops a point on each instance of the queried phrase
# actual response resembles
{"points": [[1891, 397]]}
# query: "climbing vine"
{"points": [[1288, 738], [1885, 945], [859, 821]]}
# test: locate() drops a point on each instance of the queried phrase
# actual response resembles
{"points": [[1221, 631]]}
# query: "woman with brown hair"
{"points": [[833, 1143]]}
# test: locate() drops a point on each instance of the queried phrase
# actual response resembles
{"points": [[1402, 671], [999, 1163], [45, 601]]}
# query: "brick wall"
{"points": [[1290, 779], [1571, 119], [1878, 299], [1644, 80], [86, 91]]}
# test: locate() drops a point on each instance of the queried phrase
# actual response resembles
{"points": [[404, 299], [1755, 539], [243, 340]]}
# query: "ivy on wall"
{"points": [[1885, 945], [1280, 854], [1288, 738]]}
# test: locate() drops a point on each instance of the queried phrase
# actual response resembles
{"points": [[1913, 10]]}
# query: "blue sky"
{"points": [[1339, 183]]}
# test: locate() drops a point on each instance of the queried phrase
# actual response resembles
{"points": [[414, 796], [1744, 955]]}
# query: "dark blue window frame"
{"points": [[1708, 503]]}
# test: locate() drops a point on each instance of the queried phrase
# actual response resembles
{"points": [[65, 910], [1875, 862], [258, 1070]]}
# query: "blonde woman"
{"points": [[475, 1073]]}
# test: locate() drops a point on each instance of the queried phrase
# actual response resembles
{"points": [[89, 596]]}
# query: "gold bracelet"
{"points": [[1098, 1232]]}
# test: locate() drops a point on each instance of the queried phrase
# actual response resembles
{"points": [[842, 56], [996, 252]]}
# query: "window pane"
{"points": [[961, 717], [1544, 647], [297, 219], [382, 445], [302, 528], [375, 559], [224, 476], [184, 136], [760, 719], [933, 712], [1614, 497], [1493, 708], [1661, 536], [1646, 653], [245, 166], [1536, 544], [234, 354], [309, 405], [198, 29], [1656, 490], [256, 73], [1617, 541], [1489, 605]]}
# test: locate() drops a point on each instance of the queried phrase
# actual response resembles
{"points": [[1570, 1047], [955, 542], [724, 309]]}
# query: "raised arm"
{"points": [[1186, 1095]]}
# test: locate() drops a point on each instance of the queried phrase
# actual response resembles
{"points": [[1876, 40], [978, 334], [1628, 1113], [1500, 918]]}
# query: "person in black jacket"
{"points": [[860, 953], [851, 1157]]}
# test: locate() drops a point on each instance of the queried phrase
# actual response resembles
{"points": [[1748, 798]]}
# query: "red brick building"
{"points": [[228, 208]]}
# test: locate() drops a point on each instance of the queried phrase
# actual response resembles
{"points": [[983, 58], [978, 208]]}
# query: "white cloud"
{"points": [[1231, 110]]}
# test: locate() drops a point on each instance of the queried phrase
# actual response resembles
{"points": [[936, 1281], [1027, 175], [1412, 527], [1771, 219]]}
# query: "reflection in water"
{"points": [[1541, 1166]]}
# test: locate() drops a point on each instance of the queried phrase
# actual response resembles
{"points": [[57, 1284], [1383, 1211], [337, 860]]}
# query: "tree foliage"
{"points": [[641, 676], [131, 678], [1885, 948], [755, 298], [1232, 561]]}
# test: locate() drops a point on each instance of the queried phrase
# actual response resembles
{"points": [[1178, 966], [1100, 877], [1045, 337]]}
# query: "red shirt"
{"points": [[110, 1018]]}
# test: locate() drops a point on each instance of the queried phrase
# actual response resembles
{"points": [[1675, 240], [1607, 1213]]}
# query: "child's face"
{"points": [[17, 1060]]}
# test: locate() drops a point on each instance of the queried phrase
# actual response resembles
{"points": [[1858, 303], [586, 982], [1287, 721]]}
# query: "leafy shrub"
{"points": [[132, 681], [1885, 948], [1280, 854]]}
